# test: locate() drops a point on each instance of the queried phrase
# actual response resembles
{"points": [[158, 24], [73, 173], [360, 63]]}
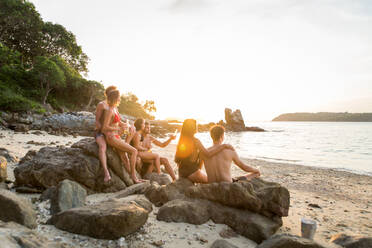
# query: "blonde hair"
{"points": [[108, 90], [113, 97]]}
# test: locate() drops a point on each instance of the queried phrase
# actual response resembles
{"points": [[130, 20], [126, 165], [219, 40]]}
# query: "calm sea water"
{"points": [[341, 145]]}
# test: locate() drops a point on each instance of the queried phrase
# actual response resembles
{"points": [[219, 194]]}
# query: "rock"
{"points": [[289, 241], [257, 195], [160, 195], [186, 211], [161, 179], [3, 169], [351, 241], [51, 165], [68, 194], [47, 194], [27, 190], [14, 235], [31, 142], [89, 146], [228, 233], [314, 205], [106, 220], [195, 211], [9, 157], [139, 188], [234, 120], [37, 132], [19, 127], [17, 209], [3, 185], [220, 243]]}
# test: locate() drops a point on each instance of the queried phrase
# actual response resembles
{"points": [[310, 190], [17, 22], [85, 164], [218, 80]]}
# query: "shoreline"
{"points": [[340, 202]]}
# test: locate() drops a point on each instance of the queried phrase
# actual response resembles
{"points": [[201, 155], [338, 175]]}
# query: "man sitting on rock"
{"points": [[218, 167]]}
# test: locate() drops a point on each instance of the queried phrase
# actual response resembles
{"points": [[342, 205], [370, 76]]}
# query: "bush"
{"points": [[11, 101]]}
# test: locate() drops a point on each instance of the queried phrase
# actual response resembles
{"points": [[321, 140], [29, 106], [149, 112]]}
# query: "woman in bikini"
{"points": [[112, 130], [144, 153], [189, 150]]}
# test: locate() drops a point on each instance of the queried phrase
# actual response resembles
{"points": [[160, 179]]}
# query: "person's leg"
{"points": [[168, 167], [198, 177], [122, 146], [101, 142], [124, 159], [145, 156]]}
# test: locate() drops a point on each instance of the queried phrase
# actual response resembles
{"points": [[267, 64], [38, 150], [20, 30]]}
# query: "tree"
{"points": [[94, 90], [49, 75], [56, 40], [149, 106], [20, 26]]}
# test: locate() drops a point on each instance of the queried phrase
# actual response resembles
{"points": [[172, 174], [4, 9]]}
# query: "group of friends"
{"points": [[136, 154]]}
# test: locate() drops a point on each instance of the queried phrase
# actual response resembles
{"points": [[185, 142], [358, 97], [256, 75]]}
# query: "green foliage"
{"points": [[11, 101], [41, 62], [129, 105], [49, 75]]}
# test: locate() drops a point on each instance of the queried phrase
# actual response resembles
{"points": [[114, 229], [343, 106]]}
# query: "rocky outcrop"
{"points": [[17, 209], [14, 235], [259, 196], [139, 188], [67, 195], [106, 220], [51, 165], [289, 241], [235, 122], [351, 241], [251, 208]]}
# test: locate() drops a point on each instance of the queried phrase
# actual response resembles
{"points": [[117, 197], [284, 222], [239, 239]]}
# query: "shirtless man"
{"points": [[218, 167], [148, 139]]}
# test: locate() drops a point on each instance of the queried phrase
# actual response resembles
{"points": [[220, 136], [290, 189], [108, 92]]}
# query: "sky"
{"points": [[194, 58]]}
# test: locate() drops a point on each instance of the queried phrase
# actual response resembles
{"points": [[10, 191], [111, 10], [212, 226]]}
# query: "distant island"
{"points": [[325, 116]]}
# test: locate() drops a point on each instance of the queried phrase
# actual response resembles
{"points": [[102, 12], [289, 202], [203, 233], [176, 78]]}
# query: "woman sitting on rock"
{"points": [[189, 151], [112, 129]]}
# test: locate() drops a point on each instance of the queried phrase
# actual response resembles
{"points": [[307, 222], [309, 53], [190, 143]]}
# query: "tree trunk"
{"points": [[90, 101], [47, 90]]}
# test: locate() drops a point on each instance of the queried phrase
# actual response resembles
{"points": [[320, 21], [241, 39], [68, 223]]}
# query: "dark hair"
{"points": [[138, 123], [113, 97], [186, 146], [108, 90], [216, 132]]}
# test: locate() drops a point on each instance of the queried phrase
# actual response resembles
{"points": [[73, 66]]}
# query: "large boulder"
{"points": [[68, 194], [3, 169], [14, 235], [160, 195], [195, 211], [234, 120], [289, 241], [89, 147], [351, 241], [51, 165], [17, 209], [256, 195], [106, 220], [161, 179], [186, 211], [139, 188]]}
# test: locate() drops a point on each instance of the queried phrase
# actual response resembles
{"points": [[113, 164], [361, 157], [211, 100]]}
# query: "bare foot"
{"points": [[136, 180]]}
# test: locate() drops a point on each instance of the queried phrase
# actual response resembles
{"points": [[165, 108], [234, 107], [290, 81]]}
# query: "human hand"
{"points": [[257, 172]]}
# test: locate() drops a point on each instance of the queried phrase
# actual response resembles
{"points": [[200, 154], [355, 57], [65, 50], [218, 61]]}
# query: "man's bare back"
{"points": [[218, 167]]}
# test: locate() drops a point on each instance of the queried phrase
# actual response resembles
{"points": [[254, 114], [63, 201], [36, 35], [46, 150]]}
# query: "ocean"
{"points": [[340, 145]]}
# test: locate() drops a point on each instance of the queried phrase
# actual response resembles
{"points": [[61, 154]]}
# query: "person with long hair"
{"points": [[112, 130], [100, 138], [189, 152]]}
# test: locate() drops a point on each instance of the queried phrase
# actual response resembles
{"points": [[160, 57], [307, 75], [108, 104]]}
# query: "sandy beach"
{"points": [[340, 202]]}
